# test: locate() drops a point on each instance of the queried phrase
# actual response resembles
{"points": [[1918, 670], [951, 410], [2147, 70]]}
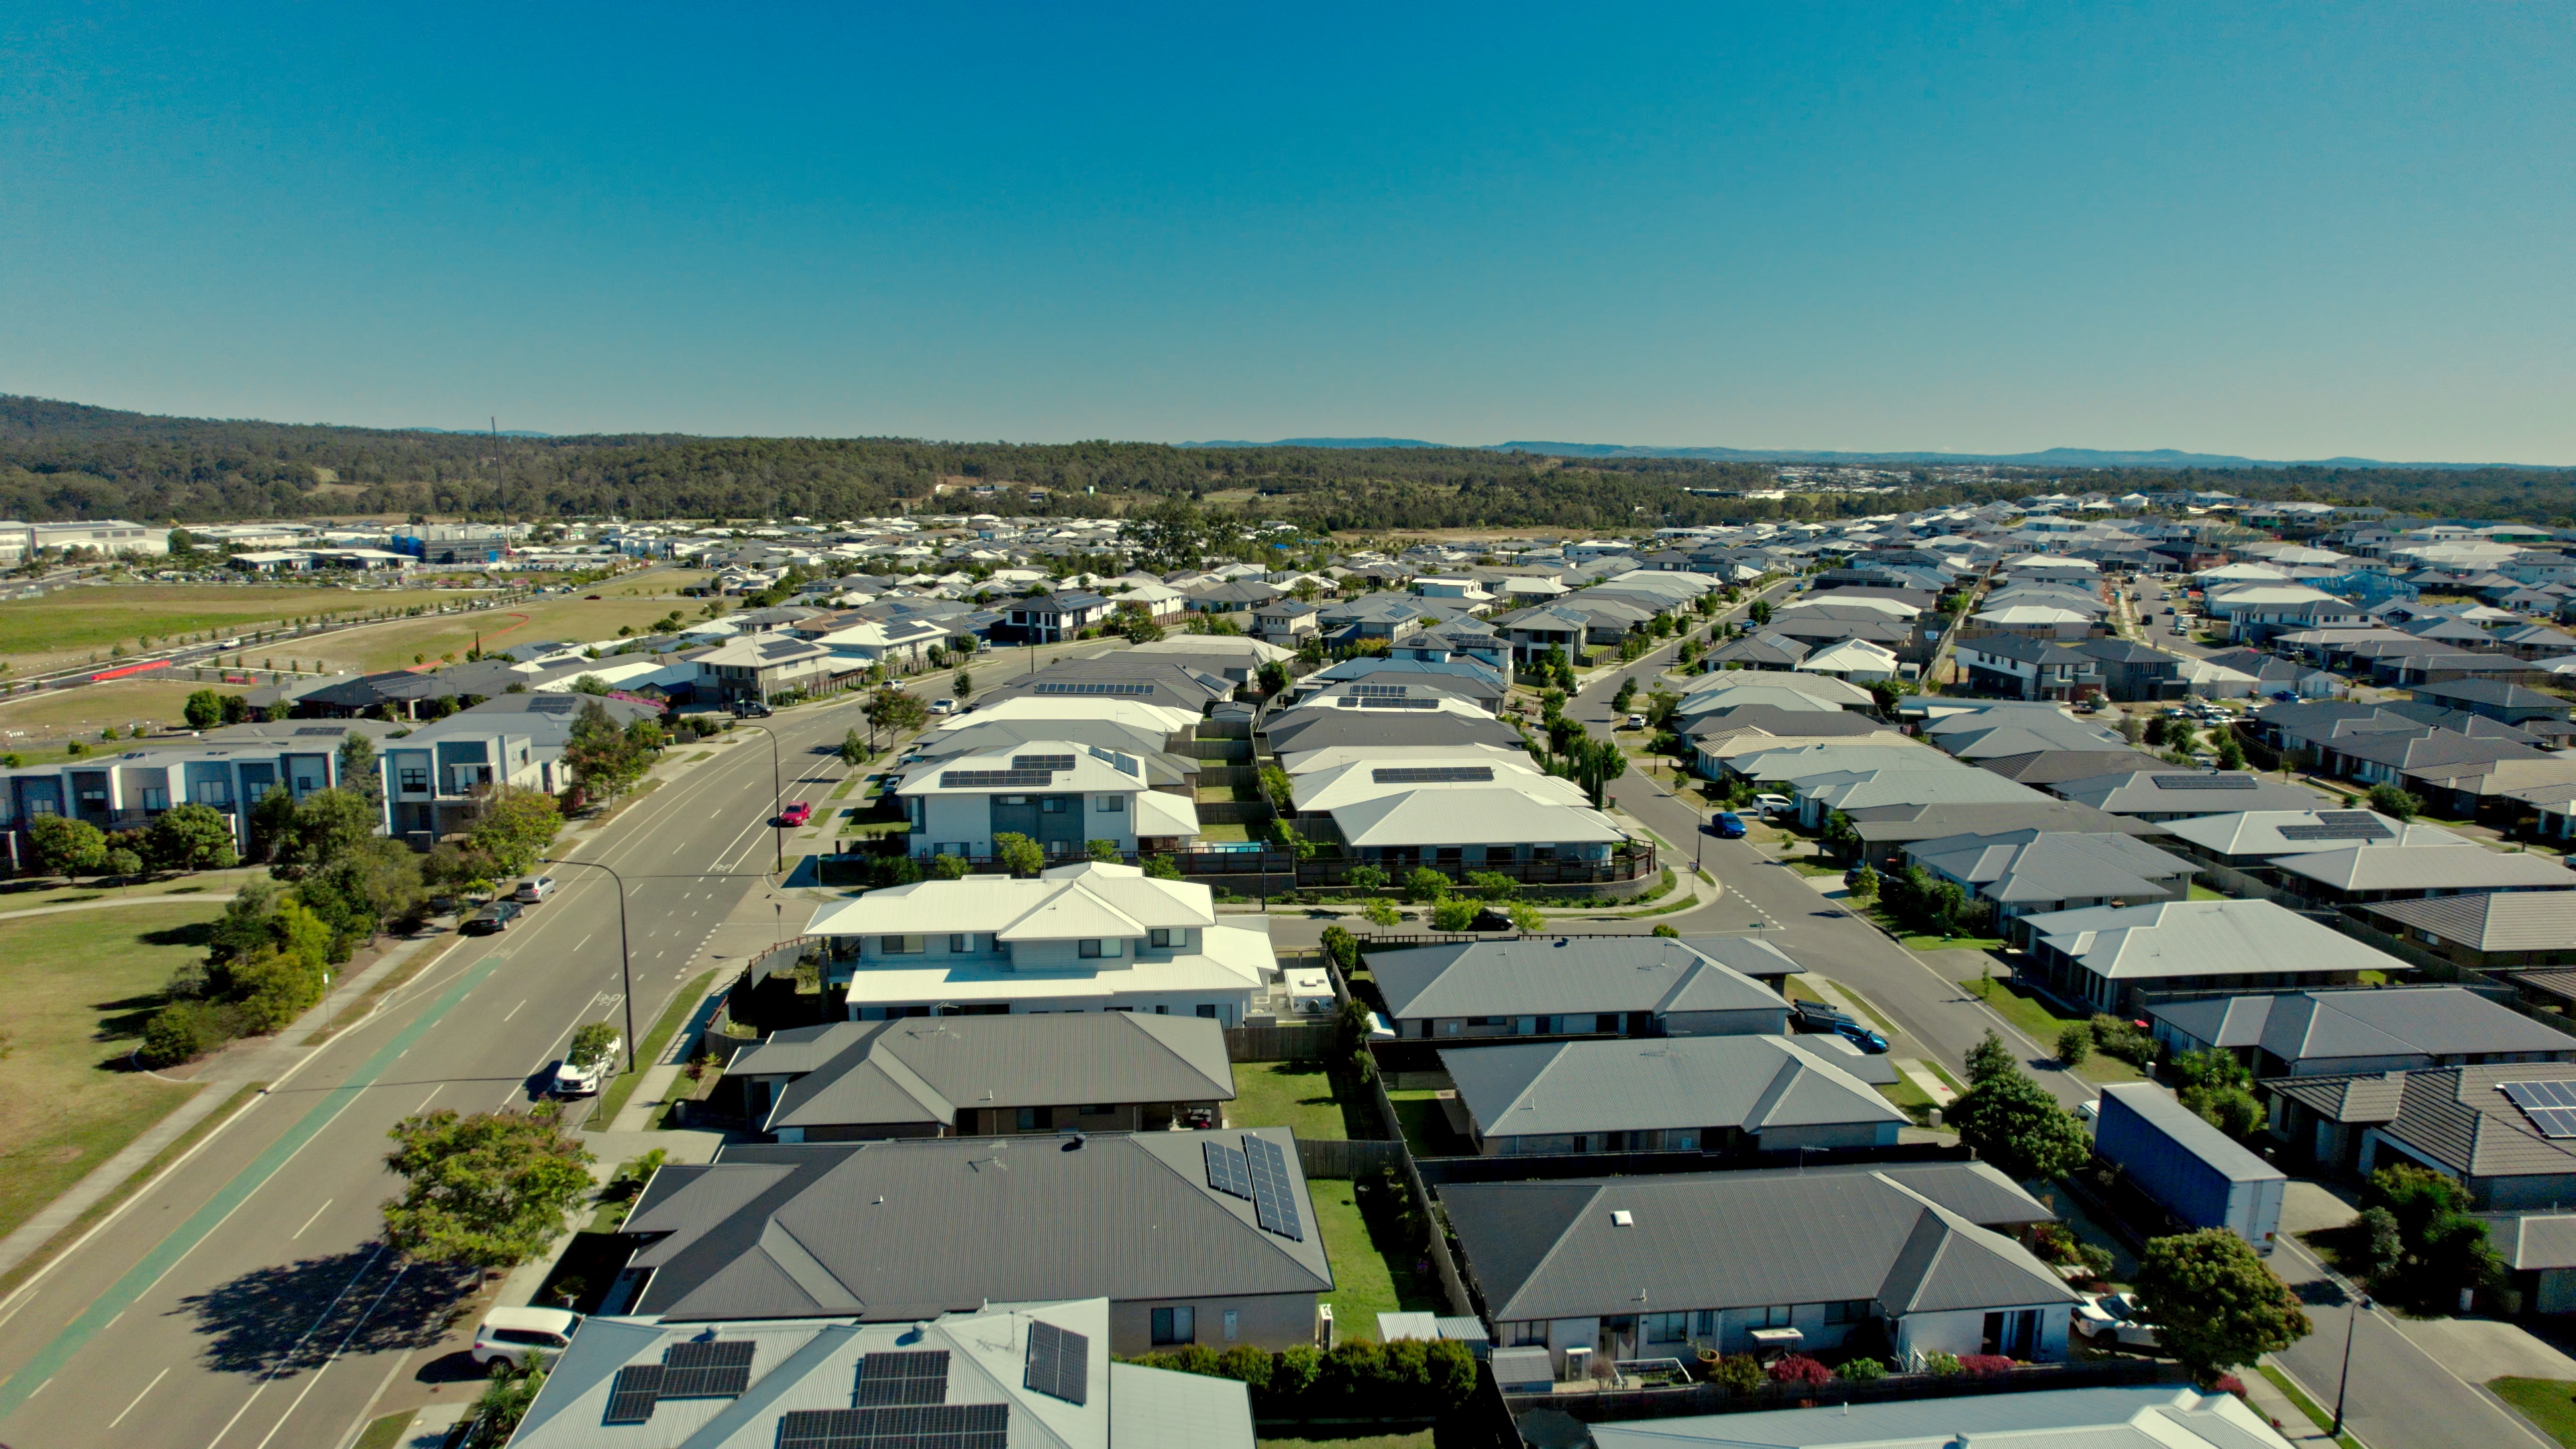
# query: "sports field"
{"points": [[69, 625]]}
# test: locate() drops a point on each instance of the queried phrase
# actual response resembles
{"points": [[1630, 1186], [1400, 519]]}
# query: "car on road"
{"points": [[1490, 919], [583, 1081], [751, 709], [490, 920], [590, 598], [943, 706], [2178, 628], [796, 813], [1860, 1036], [1635, 722], [1727, 825], [1770, 805], [534, 889], [509, 1335]]}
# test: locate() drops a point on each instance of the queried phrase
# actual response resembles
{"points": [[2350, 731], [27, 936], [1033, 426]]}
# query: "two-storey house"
{"points": [[1058, 793]]}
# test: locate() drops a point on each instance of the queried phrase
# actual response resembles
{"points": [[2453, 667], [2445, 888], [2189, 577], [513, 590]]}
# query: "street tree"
{"points": [[591, 1045], [2441, 1249], [204, 709], [853, 750], [513, 826], [326, 825], [2214, 1304], [191, 837], [486, 1191], [1990, 1058], [895, 711], [2015, 1124]]}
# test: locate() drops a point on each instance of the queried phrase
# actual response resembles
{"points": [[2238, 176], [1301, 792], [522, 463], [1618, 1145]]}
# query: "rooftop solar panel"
{"points": [[1067, 687], [913, 1377], [1059, 1363], [1355, 702], [911, 1426], [631, 1395], [1123, 764], [706, 1369], [995, 779], [1274, 1201], [1379, 689], [1432, 774], [1226, 1171], [1041, 762], [2342, 825], [2203, 782]]}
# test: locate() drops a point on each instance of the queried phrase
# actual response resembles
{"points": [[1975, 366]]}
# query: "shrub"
{"points": [[1453, 915], [1294, 1372], [2231, 1384], [1668, 932], [1367, 878], [1864, 1370], [2075, 1043], [1737, 1373], [2126, 1040], [1982, 1364], [1797, 1368], [1492, 885], [1527, 917], [1352, 1370], [1423, 886], [182, 1032], [944, 866], [892, 870], [1244, 1362], [1942, 1365], [1382, 913]]}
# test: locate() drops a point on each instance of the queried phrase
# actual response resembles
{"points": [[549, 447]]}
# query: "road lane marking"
{"points": [[14, 1309], [513, 1012], [138, 1398], [165, 1255], [289, 1356], [317, 1217], [345, 1340], [425, 1101]]}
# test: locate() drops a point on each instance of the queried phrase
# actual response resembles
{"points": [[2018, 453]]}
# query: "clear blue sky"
{"points": [[2280, 231]]}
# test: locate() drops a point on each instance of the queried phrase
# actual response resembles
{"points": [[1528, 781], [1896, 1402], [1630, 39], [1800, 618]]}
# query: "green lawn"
{"points": [[81, 985], [1372, 1272], [1910, 1099], [2319, 1416], [2032, 1017], [1426, 1128], [2549, 1403], [1297, 1095], [2204, 893], [33, 892]]}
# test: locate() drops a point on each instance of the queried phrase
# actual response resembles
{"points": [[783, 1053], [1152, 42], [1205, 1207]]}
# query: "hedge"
{"points": [[1407, 1379]]}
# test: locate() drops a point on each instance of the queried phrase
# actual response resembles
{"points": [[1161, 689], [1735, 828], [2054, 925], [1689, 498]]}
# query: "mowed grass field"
{"points": [[56, 714], [68, 625], [79, 987], [634, 602]]}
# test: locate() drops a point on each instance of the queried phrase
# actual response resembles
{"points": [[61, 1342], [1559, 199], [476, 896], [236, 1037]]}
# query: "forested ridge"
{"points": [[62, 460]]}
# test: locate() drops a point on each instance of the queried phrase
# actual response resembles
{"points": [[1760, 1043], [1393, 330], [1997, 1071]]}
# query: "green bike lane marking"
{"points": [[130, 1289]]}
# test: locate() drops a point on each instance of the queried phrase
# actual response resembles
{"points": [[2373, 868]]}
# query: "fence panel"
{"points": [[1330, 1157], [1289, 1042]]}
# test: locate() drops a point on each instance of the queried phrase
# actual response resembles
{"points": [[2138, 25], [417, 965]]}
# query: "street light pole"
{"points": [[777, 798], [625, 954], [2351, 1325]]}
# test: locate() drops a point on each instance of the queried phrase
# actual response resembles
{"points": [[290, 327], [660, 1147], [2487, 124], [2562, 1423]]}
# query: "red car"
{"points": [[796, 814]]}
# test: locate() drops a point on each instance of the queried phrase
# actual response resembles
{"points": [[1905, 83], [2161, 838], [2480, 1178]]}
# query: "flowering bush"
{"points": [[1797, 1368], [1984, 1363], [2230, 1384]]}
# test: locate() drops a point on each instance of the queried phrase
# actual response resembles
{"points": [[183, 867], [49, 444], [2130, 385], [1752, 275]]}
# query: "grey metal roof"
{"points": [[928, 1069], [2454, 1115], [2494, 920], [1541, 976], [2186, 791], [899, 1230], [2534, 1241], [2047, 767], [809, 1365], [2203, 938], [1909, 1237], [2160, 1416], [2425, 867], [2052, 865], [1529, 1089]]}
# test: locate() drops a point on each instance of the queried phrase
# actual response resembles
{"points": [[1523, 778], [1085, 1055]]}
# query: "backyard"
{"points": [[1373, 1265], [81, 984], [1295, 1095]]}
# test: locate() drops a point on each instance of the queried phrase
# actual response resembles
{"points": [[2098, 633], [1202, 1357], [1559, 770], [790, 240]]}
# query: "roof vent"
{"points": [[1622, 1218]]}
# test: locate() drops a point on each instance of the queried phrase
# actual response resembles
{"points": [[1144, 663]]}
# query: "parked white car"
{"points": [[509, 1335], [534, 889], [2113, 1316], [1774, 804], [943, 706], [583, 1081]]}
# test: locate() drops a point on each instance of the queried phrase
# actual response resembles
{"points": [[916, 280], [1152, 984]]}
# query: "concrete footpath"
{"points": [[271, 1059]]}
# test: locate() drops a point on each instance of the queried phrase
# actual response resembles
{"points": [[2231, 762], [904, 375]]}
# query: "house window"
{"points": [[1208, 1011], [1031, 1121], [1052, 805], [415, 778], [959, 944], [1098, 1109], [1852, 1310], [899, 945], [1230, 1324], [155, 799], [1498, 854], [1176, 1325], [1111, 805], [214, 792], [1774, 1317], [1667, 1327], [1087, 949]]}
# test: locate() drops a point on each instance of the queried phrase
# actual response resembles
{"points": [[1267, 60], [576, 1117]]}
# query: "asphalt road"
{"points": [[244, 1300]]}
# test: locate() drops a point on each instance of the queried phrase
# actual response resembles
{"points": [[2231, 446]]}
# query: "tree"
{"points": [[65, 846], [895, 711], [513, 827], [1381, 912], [2074, 1043], [1760, 613], [601, 759], [363, 890], [1273, 676], [487, 1191], [1172, 535], [359, 773], [2015, 1124], [1367, 878], [1425, 886], [272, 823], [1104, 851], [945, 866], [1019, 855], [326, 825], [191, 837], [204, 710], [964, 684], [853, 750], [1990, 1058], [2391, 801], [123, 863], [1455, 914], [592, 1045], [2441, 1249], [590, 684], [2214, 1304], [1137, 624], [1527, 917]]}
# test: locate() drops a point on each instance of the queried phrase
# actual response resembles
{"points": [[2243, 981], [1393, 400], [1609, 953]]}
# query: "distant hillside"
{"points": [[2046, 458]]}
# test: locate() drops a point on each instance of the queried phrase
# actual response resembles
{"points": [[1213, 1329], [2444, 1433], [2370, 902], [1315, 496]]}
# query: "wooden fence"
{"points": [[1334, 1157], [1287, 1042]]}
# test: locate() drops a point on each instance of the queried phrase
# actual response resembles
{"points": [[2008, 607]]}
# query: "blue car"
{"points": [[1860, 1036], [1728, 825]]}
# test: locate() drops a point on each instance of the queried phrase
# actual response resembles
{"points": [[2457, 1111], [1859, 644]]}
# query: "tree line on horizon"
{"points": [[63, 460]]}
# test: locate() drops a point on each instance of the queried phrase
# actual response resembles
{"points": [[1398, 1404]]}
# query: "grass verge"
{"points": [[612, 1098], [2549, 1403], [2308, 1406], [90, 1216], [386, 1432], [2031, 1017], [391, 981]]}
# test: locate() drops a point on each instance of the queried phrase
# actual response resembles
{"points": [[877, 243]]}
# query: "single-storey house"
{"points": [[1710, 1094], [2113, 958], [2326, 1033], [1641, 986]]}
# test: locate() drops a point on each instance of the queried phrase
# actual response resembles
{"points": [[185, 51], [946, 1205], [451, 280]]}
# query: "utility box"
{"points": [[2188, 1167]]}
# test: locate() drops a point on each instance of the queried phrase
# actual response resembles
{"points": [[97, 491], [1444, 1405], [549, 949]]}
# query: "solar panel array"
{"points": [[994, 779], [1041, 762], [632, 1394], [1059, 1363], [916, 1377], [1356, 702], [1432, 774], [911, 1426], [1123, 764], [2340, 825], [1072, 687], [1274, 1202], [2204, 782], [714, 1369], [1227, 1172], [2551, 1106], [1380, 689]]}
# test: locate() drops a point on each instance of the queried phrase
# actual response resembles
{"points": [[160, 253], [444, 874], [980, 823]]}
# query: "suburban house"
{"points": [[1022, 1373], [2019, 667], [2171, 794], [2326, 1033], [2251, 840], [2358, 874], [1050, 618], [1193, 1237], [1376, 616], [2034, 872], [130, 790], [765, 666], [2487, 930], [2501, 1132], [1895, 1262], [2143, 1416], [981, 1076], [1632, 986], [2114, 958], [1058, 793], [2133, 671], [1471, 811], [435, 777], [1706, 1094], [1285, 620], [1086, 937]]}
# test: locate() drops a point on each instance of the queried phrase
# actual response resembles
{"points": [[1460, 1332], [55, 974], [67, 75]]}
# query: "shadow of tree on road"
{"points": [[293, 1316]]}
